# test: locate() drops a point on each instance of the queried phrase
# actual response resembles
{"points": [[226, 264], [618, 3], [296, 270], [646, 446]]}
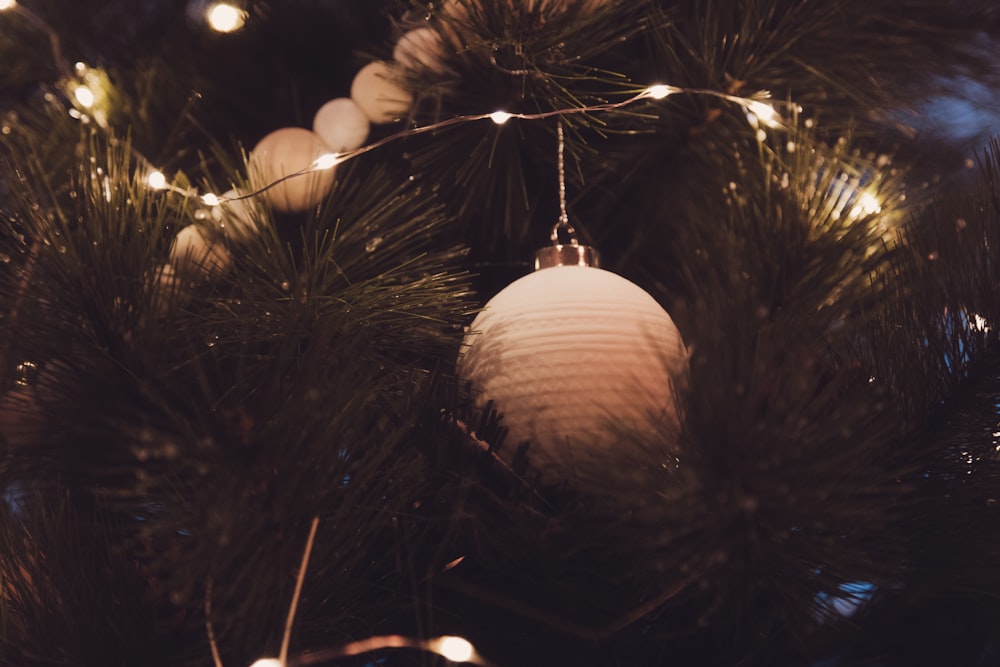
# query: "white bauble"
{"points": [[455, 9], [193, 252], [238, 218], [421, 48], [284, 152], [568, 354], [380, 98], [167, 290], [341, 124]]}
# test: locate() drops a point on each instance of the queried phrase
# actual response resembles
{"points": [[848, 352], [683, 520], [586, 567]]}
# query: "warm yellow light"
{"points": [[868, 204], [6, 4], [210, 199], [85, 96], [223, 17], [659, 91], [765, 113], [500, 117], [455, 649], [267, 662], [156, 180], [326, 161]]}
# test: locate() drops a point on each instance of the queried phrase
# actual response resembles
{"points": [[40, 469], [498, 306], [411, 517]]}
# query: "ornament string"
{"points": [[563, 224]]}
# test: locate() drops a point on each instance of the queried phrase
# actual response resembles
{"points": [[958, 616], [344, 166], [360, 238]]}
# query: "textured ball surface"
{"points": [[239, 219], [568, 354], [380, 98], [421, 48], [284, 152], [341, 124], [192, 252]]}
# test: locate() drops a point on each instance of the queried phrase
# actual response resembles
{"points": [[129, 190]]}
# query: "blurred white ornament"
{"points": [[167, 290], [193, 252], [341, 124], [239, 219], [282, 153], [421, 48], [568, 354], [380, 98], [453, 23]]}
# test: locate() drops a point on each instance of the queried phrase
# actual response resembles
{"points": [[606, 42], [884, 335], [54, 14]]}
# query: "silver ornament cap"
{"points": [[567, 255]]}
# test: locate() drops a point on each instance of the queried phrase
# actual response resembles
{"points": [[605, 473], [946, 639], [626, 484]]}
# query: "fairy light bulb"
{"points": [[326, 161], [268, 662], [869, 204], [84, 96], [156, 180], [223, 17], [659, 91], [500, 117], [455, 649], [210, 199], [763, 112], [6, 4]]}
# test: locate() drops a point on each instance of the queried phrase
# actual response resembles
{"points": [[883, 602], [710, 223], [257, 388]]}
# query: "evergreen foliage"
{"points": [[168, 434]]}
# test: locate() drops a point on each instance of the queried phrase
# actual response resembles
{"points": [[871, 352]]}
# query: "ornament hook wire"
{"points": [[571, 253], [563, 225]]}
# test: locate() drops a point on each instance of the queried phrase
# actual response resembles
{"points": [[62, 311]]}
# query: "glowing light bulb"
{"points": [[326, 161], [659, 91], [869, 204], [156, 180], [500, 117], [6, 4], [765, 113], [210, 199], [455, 649], [85, 96], [223, 17], [267, 662]]}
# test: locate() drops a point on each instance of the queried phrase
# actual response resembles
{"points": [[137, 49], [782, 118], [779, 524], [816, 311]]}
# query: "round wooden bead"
{"points": [[381, 99], [341, 124], [287, 151]]}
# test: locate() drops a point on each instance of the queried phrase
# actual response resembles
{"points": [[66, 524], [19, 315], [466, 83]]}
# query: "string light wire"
{"points": [[37, 22], [752, 105], [757, 110]]}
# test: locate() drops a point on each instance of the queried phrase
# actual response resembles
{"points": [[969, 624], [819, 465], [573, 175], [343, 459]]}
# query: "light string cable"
{"points": [[758, 112], [37, 22], [452, 648], [83, 94]]}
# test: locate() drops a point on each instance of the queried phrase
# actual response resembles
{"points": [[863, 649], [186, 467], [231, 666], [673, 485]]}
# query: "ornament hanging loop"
{"points": [[563, 225], [568, 252]]}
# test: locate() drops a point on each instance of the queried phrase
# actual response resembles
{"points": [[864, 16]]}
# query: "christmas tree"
{"points": [[278, 380]]}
